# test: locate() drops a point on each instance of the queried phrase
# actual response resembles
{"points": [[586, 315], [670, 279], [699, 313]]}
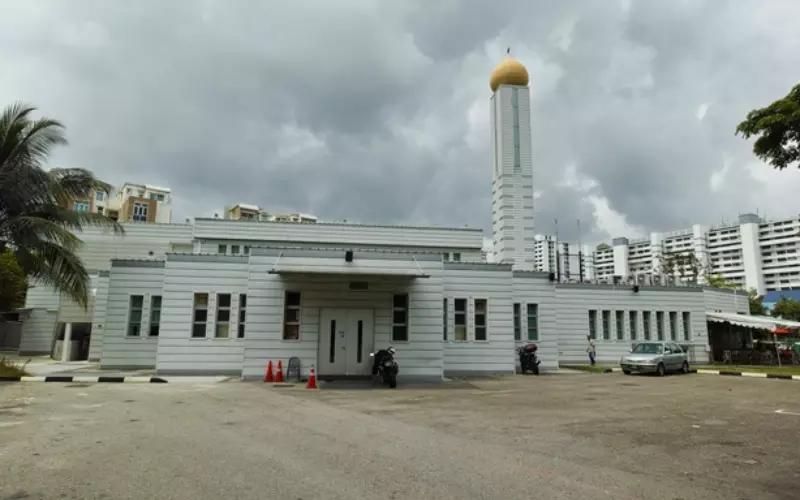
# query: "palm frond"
{"points": [[57, 266]]}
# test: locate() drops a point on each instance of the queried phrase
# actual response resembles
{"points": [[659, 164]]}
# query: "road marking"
{"points": [[784, 412]]}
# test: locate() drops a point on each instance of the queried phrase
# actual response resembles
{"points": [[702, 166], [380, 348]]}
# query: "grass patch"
{"points": [[589, 368], [9, 368], [776, 370]]}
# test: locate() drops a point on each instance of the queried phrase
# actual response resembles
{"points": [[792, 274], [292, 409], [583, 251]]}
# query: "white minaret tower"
{"points": [[512, 165]]}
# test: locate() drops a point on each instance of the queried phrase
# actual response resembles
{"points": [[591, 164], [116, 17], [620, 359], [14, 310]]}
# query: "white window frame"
{"points": [[465, 314], [298, 323], [475, 327], [222, 249], [405, 325], [673, 328], [99, 196], [686, 320], [140, 211], [660, 326], [528, 322], [647, 325], [193, 322], [633, 320], [235, 249], [130, 314], [517, 318], [619, 326], [241, 317], [221, 309], [80, 206], [593, 324], [606, 325], [152, 310]]}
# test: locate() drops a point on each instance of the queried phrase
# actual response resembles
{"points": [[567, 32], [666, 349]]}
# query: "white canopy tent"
{"points": [[746, 320]]}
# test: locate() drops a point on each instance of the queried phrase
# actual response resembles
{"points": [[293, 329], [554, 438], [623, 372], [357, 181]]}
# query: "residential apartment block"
{"points": [[131, 203], [245, 211], [752, 253]]}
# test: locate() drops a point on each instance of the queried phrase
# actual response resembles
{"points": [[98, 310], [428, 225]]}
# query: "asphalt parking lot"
{"points": [[554, 437]]}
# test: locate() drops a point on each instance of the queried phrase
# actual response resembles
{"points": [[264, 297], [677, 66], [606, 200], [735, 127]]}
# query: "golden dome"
{"points": [[508, 72]]}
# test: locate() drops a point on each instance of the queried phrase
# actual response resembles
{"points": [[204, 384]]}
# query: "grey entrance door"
{"points": [[346, 337]]}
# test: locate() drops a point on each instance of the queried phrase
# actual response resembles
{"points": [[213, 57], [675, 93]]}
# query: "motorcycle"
{"points": [[387, 367], [528, 361]]}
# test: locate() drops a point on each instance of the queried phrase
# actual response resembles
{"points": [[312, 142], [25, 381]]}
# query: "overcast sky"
{"points": [[377, 111]]}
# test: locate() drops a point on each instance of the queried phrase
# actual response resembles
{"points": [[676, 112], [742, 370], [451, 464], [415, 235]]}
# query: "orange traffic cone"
{"points": [[269, 377], [312, 380], [279, 373]]}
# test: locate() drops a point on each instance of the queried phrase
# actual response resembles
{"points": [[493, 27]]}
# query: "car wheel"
{"points": [[685, 367], [626, 372], [661, 370]]}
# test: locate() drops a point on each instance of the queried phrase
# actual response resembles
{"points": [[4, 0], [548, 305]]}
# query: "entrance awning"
{"points": [[764, 322], [343, 270]]}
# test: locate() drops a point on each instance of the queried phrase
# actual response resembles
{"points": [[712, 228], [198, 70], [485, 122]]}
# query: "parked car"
{"points": [[655, 357]]}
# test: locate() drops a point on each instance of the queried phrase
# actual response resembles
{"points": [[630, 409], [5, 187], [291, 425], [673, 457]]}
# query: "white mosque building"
{"points": [[221, 296]]}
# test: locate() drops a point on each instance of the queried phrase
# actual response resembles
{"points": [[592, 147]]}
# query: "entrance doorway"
{"points": [[346, 338]]}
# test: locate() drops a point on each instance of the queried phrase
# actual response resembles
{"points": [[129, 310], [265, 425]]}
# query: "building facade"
{"points": [[247, 211], [754, 254], [230, 295], [131, 203]]}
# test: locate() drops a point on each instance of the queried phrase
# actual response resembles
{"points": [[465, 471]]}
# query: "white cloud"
{"points": [[702, 110], [612, 222]]}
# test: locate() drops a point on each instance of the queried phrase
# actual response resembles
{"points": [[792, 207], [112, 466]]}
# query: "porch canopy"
{"points": [[353, 263], [746, 320]]}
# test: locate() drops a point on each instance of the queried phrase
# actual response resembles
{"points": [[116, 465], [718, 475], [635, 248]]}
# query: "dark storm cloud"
{"points": [[377, 111]]}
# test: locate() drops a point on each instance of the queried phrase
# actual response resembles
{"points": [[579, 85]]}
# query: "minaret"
{"points": [[512, 172]]}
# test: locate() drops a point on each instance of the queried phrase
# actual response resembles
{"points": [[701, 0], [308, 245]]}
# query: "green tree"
{"points": [[13, 283], [35, 217], [719, 281], [777, 127], [755, 301], [787, 309]]}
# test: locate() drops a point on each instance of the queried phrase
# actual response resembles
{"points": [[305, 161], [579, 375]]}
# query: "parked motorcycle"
{"points": [[385, 366], [528, 360]]}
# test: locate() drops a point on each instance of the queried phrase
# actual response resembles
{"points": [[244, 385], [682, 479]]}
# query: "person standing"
{"points": [[591, 349]]}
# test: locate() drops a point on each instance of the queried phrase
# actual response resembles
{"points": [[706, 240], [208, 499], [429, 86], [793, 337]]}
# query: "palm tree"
{"points": [[35, 219]]}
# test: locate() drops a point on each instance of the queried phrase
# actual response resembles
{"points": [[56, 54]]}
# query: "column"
{"points": [[65, 350], [621, 254], [749, 227], [656, 253], [588, 262]]}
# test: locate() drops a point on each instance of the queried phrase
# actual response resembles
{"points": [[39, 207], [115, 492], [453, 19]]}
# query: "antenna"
{"points": [[558, 257], [580, 253]]}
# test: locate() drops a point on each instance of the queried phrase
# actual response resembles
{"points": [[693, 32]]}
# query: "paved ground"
{"points": [[550, 437]]}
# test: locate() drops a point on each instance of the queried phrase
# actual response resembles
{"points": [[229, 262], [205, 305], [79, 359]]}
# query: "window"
{"points": [[155, 315], [157, 196], [234, 249], [533, 321], [634, 326], [481, 311], [140, 212], [460, 320], [136, 304], [456, 257], [291, 316], [517, 321], [200, 315], [400, 318], [222, 249], [242, 315], [647, 320], [687, 325], [80, 206], [606, 325], [660, 324], [246, 250], [99, 196], [444, 319], [593, 324], [223, 326], [446, 257], [673, 325], [620, 317]]}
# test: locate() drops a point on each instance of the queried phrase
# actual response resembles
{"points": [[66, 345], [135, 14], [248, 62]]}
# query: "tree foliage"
{"points": [[755, 301], [686, 265], [777, 127], [719, 281], [787, 309], [13, 283], [35, 216]]}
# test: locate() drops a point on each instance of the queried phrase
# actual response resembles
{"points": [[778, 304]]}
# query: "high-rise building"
{"points": [[752, 253], [512, 172]]}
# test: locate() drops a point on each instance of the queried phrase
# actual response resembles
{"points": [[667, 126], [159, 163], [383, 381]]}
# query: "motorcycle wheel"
{"points": [[535, 369], [391, 379]]}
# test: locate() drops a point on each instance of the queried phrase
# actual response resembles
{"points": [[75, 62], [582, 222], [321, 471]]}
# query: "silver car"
{"points": [[655, 357]]}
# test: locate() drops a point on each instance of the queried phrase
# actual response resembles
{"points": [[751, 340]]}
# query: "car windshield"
{"points": [[648, 349]]}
